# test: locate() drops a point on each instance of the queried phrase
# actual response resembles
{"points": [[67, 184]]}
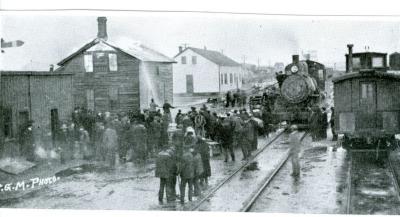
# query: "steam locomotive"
{"points": [[300, 88]]}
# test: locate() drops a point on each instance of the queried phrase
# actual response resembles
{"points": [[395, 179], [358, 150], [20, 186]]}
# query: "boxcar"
{"points": [[367, 102]]}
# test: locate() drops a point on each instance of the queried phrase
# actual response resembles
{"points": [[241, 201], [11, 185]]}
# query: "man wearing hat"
{"points": [[110, 140], [166, 171], [186, 166]]}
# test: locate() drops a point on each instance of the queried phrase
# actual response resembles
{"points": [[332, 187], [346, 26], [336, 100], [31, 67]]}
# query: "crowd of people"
{"points": [[187, 156], [181, 153]]}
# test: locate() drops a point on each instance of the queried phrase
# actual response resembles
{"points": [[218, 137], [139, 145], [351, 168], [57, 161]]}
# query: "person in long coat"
{"points": [[204, 151], [166, 169], [186, 171], [295, 145], [198, 171], [228, 98], [226, 136], [110, 141], [138, 136]]}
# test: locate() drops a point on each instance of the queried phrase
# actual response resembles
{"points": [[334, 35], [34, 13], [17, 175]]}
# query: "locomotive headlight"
{"points": [[294, 69]]}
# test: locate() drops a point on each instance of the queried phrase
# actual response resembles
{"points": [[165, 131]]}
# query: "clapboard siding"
{"points": [[125, 80]]}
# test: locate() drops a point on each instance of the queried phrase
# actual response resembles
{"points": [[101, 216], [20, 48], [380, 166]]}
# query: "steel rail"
{"points": [[254, 197], [349, 184], [227, 179], [396, 182]]}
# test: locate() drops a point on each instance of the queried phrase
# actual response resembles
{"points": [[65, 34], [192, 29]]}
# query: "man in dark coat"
{"points": [[138, 136], [204, 151], [186, 171], [226, 136], [110, 141], [166, 170], [228, 98], [332, 123], [323, 123]]}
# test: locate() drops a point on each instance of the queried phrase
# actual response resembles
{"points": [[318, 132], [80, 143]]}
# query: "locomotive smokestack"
{"points": [[295, 58], [102, 28], [350, 58]]}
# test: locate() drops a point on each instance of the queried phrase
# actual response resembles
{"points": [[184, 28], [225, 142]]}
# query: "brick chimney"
{"points": [[102, 28], [180, 49]]}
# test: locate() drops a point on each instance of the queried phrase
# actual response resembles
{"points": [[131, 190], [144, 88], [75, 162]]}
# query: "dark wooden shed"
{"points": [[41, 96]]}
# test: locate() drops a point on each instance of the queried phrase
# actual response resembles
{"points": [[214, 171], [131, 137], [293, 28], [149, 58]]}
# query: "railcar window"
{"points": [[356, 62], [367, 90], [377, 62]]}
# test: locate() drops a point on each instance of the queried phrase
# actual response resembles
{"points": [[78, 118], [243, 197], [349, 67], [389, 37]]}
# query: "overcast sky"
{"points": [[52, 37]]}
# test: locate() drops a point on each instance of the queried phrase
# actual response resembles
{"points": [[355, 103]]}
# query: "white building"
{"points": [[202, 71]]}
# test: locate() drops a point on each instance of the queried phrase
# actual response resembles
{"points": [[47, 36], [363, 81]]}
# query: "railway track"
{"points": [[247, 202], [373, 187]]}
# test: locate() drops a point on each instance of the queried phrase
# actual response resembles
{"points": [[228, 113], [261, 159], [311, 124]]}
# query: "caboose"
{"points": [[367, 102]]}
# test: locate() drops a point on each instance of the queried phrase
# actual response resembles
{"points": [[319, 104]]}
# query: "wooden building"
{"points": [[41, 96], [118, 77]]}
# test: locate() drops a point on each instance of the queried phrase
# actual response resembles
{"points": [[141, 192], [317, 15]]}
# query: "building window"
{"points": [[158, 70], [377, 61], [356, 62], [226, 78], [112, 58], [194, 60], [183, 60], [100, 62], [231, 78], [367, 90], [222, 79], [88, 59]]}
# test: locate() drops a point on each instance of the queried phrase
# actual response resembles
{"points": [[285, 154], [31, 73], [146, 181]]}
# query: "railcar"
{"points": [[367, 102]]}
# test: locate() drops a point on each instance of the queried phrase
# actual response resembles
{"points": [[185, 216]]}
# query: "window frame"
{"points": [[112, 62], [88, 62], [194, 60], [183, 60], [381, 62]]}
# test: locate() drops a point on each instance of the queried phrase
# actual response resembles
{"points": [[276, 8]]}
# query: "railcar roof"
{"points": [[387, 75]]}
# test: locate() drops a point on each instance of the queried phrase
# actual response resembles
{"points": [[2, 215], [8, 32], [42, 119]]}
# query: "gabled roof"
{"points": [[214, 56], [136, 50]]}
